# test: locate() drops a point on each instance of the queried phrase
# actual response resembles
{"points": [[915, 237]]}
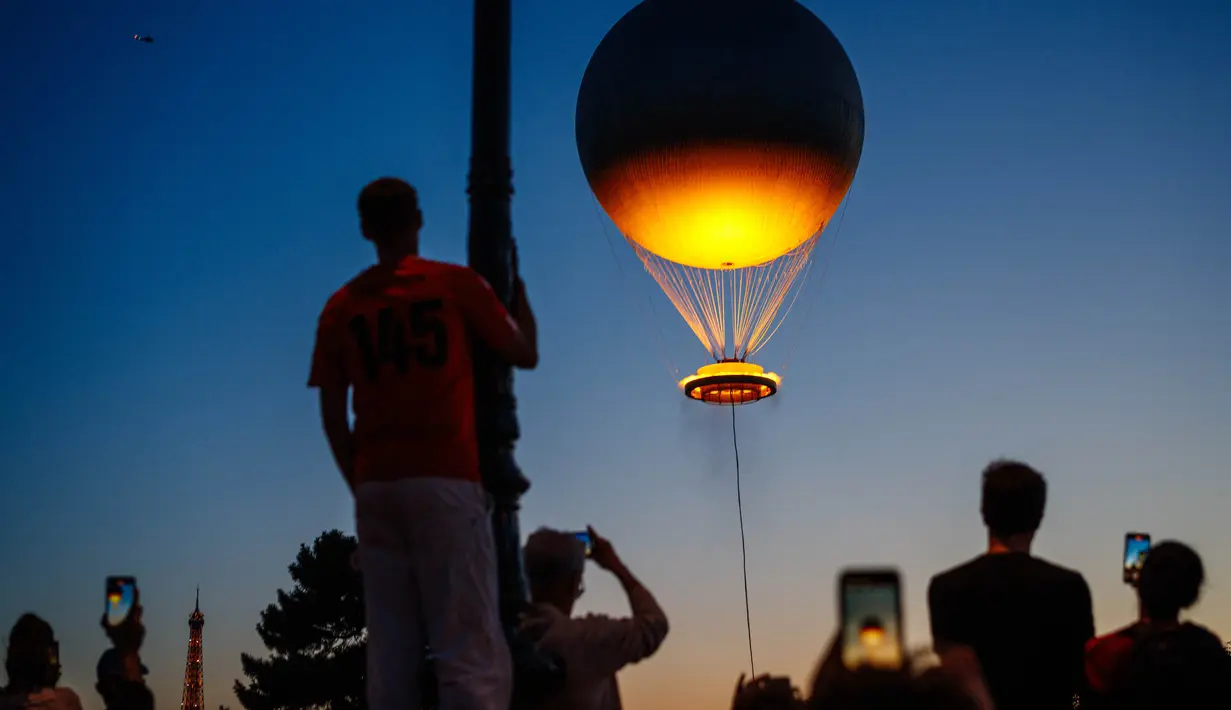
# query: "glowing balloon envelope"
{"points": [[720, 136]]}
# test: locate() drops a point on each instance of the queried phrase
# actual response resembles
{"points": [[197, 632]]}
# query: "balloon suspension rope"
{"points": [[743, 547]]}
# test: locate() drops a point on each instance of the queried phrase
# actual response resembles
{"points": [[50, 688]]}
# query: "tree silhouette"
{"points": [[315, 634]]}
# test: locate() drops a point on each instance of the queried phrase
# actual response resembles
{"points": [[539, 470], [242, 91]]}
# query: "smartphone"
{"points": [[870, 603], [585, 540], [121, 596], [1136, 547]]}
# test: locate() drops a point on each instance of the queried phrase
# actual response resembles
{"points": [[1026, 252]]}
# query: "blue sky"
{"points": [[1033, 262]]}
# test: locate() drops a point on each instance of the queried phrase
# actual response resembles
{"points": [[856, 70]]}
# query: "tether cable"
{"points": [[743, 547]]}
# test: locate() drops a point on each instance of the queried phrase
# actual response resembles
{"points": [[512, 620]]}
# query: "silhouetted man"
{"points": [[399, 335], [593, 647], [1026, 620]]}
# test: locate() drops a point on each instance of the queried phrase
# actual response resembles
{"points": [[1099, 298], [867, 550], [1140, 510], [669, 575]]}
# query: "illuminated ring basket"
{"points": [[730, 382]]}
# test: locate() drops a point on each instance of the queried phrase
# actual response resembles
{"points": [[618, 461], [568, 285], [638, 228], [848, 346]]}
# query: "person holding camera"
{"points": [[593, 647]]}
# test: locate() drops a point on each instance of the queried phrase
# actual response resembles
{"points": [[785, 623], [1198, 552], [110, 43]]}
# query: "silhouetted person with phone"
{"points": [[32, 663], [1026, 619], [593, 647], [1160, 661], [398, 339], [120, 673]]}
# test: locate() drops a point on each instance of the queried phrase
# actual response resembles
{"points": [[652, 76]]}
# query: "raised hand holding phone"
{"points": [[122, 622], [602, 552]]}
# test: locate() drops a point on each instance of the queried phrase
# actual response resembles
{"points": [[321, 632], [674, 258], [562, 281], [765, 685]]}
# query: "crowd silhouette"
{"points": [[1010, 630]]}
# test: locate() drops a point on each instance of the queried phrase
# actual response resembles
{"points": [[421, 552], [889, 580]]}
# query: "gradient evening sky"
{"points": [[1033, 262]]}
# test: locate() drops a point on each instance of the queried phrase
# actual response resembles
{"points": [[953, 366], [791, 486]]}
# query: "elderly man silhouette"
{"points": [[593, 647]]}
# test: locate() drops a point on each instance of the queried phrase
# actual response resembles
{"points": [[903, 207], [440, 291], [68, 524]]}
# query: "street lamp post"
{"points": [[490, 245], [491, 249]]}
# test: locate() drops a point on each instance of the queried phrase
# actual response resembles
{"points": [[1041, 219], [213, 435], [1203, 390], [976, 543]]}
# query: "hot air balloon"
{"points": [[720, 136]]}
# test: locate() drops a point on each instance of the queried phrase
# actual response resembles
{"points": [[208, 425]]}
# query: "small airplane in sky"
{"points": [[143, 38]]}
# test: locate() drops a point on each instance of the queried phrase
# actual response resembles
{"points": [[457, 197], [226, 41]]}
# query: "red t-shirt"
{"points": [[1104, 655], [401, 338]]}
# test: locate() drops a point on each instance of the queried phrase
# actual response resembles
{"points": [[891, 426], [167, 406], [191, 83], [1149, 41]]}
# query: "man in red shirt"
{"points": [[399, 336]]}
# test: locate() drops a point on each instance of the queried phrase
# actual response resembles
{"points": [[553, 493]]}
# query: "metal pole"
{"points": [[490, 246]]}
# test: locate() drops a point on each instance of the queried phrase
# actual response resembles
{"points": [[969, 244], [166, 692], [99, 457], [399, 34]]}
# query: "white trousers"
{"points": [[429, 576]]}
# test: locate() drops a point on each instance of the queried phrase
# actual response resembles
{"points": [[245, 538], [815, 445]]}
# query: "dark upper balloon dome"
{"points": [[681, 94]]}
